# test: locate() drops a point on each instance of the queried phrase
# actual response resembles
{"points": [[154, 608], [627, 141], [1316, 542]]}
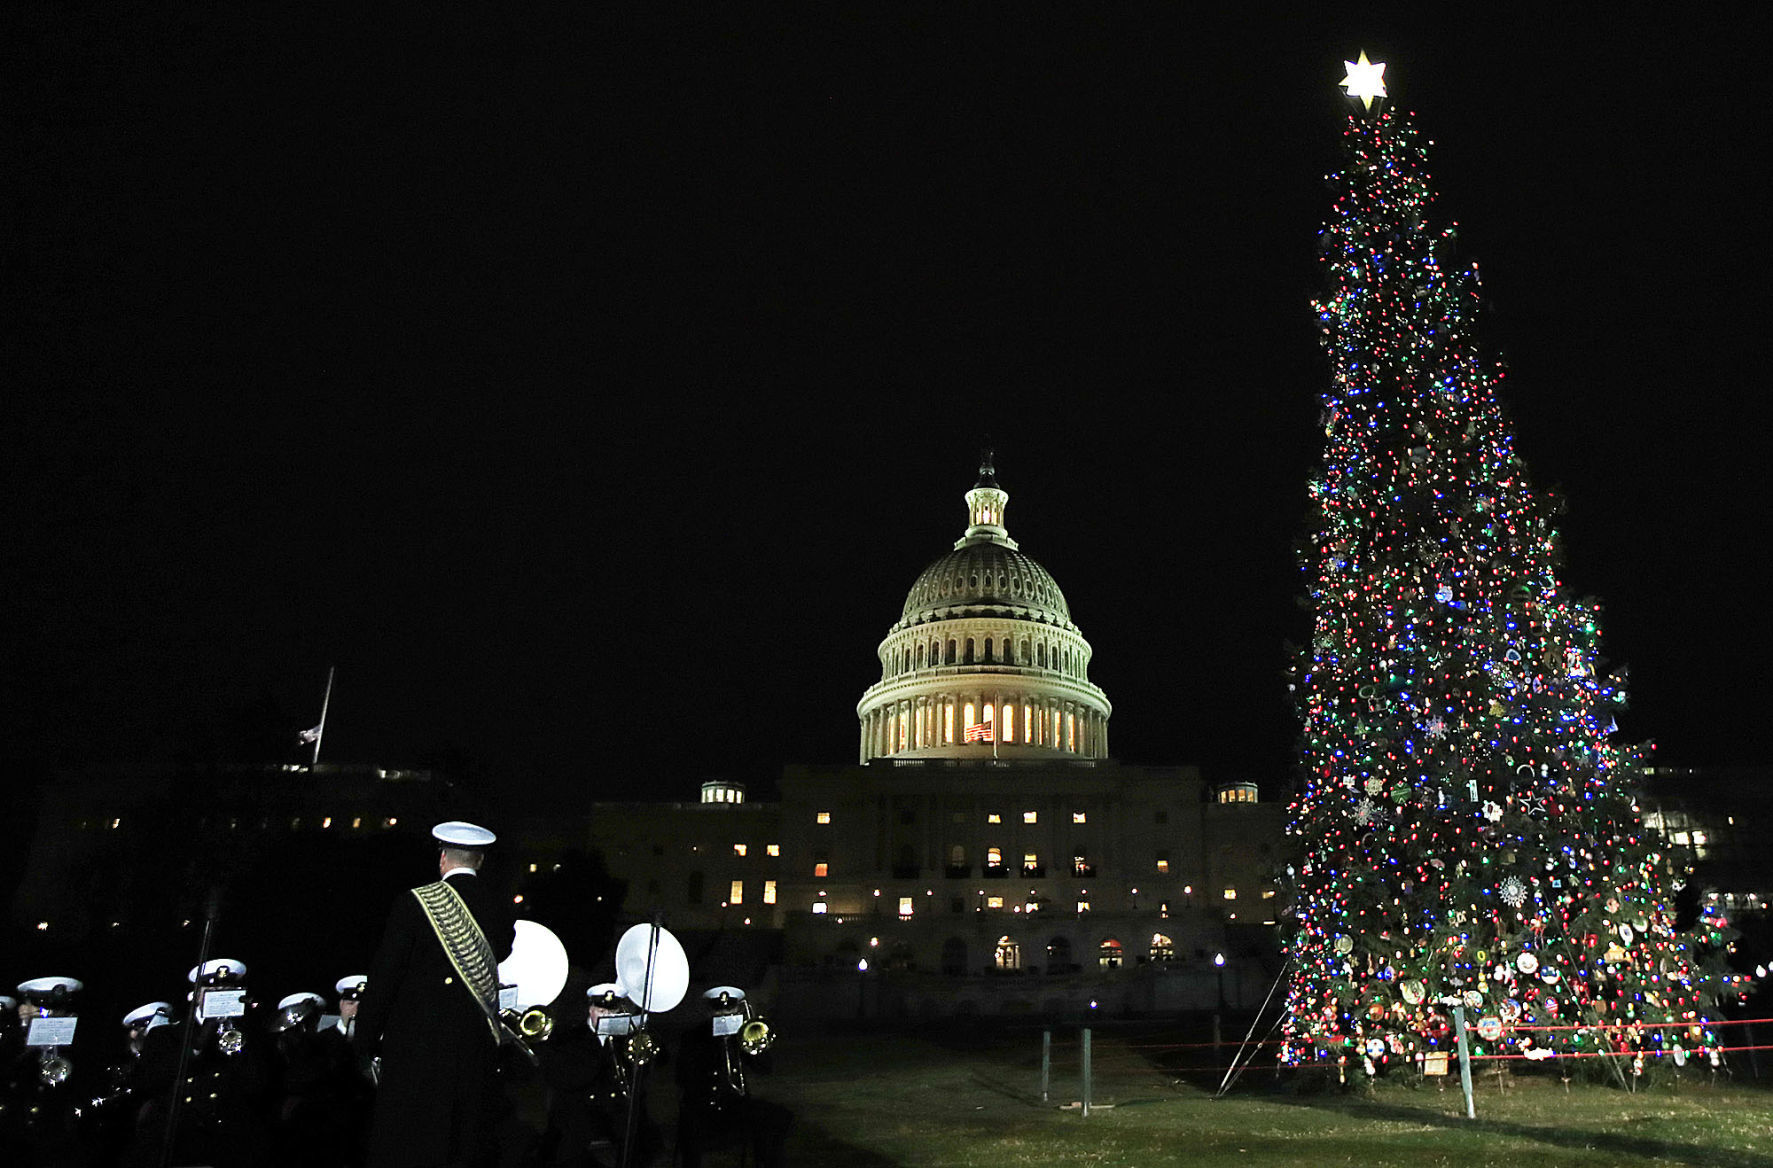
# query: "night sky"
{"points": [[590, 389]]}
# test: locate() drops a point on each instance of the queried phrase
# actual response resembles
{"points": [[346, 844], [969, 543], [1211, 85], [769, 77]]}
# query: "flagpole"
{"points": [[320, 731]]}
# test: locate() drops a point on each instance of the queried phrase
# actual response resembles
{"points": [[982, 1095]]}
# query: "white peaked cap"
{"points": [[297, 999], [733, 993], [154, 1014], [44, 986], [457, 834], [352, 984], [602, 988], [217, 965]]}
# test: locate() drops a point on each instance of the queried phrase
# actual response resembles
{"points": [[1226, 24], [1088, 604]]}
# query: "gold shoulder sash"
{"points": [[468, 949]]}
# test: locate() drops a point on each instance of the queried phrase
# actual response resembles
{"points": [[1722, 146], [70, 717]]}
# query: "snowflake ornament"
{"points": [[1436, 727], [1493, 812], [1365, 812], [1513, 891]]}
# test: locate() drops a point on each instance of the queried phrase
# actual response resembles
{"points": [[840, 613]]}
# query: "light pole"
{"points": [[862, 988], [1219, 970]]}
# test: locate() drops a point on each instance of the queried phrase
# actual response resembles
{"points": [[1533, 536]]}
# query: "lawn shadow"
{"points": [[1634, 1147], [810, 1144]]}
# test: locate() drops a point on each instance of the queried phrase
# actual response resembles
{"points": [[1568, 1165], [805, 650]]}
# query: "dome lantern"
{"points": [[985, 508]]}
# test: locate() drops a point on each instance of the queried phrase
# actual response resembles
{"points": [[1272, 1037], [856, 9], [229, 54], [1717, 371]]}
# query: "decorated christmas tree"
{"points": [[1468, 831]]}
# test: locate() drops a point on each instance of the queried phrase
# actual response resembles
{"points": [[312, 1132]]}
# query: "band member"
{"points": [[350, 991], [351, 1087], [714, 1065], [139, 1022], [227, 1084], [305, 1115], [430, 1013], [37, 1083], [592, 1073], [109, 1114]]}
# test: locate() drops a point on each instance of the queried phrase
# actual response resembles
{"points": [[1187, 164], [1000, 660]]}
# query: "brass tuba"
{"points": [[653, 973], [535, 973], [54, 1068], [756, 1035]]}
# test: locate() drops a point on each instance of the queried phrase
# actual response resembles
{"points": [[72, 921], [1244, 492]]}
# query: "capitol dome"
{"points": [[984, 660], [985, 575]]}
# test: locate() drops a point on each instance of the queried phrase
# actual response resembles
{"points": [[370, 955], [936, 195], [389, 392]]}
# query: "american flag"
{"points": [[309, 736], [980, 732]]}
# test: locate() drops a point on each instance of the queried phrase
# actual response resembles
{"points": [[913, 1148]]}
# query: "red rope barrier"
{"points": [[1596, 1026]]}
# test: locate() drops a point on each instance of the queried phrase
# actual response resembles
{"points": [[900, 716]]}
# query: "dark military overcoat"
{"points": [[439, 1096]]}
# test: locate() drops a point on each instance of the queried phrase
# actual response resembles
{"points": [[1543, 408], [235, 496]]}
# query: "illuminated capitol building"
{"points": [[984, 853]]}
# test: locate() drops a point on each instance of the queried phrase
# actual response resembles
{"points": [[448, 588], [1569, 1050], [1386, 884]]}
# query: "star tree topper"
{"points": [[1365, 80]]}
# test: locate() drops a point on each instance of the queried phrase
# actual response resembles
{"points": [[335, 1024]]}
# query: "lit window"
{"points": [[1163, 909], [819, 907], [737, 894], [1268, 894], [1231, 894], [358, 822], [772, 849], [1031, 817], [42, 926], [327, 822], [115, 823], [1009, 723], [1083, 906], [822, 817], [994, 857], [1031, 906], [821, 869], [1030, 860], [769, 892], [994, 902], [1079, 817], [1163, 865], [739, 849], [904, 906], [532, 867]]}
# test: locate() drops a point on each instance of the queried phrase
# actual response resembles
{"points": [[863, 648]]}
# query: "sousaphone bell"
{"points": [[530, 979], [653, 973]]}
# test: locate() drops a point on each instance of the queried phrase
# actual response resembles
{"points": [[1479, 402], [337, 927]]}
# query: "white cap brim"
{"points": [[457, 834], [48, 985], [217, 965]]}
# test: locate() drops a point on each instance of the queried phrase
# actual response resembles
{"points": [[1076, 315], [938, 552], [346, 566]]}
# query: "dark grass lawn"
{"points": [[945, 1097]]}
